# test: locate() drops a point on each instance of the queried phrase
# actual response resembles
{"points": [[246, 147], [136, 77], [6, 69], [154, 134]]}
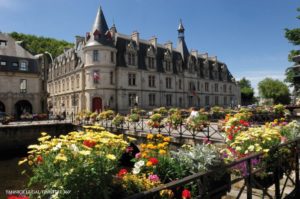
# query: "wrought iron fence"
{"points": [[210, 132]]}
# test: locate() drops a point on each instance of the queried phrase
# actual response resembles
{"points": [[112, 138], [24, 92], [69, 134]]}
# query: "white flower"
{"points": [[74, 147], [139, 164], [136, 170], [57, 147]]}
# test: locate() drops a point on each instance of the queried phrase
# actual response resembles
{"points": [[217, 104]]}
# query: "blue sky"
{"points": [[248, 35]]}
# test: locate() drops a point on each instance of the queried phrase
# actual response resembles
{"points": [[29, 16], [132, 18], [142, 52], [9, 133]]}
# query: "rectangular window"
{"points": [[151, 99], [112, 57], [225, 100], [131, 79], [216, 88], [131, 59], [224, 88], [15, 64], [190, 101], [151, 81], [24, 66], [180, 101], [95, 55], [111, 77], [3, 63], [216, 100], [3, 43], [77, 81], [96, 77], [151, 62], [168, 65], [230, 89], [168, 100], [168, 82], [131, 99], [207, 100], [198, 85], [23, 86], [199, 101], [180, 84], [206, 87]]}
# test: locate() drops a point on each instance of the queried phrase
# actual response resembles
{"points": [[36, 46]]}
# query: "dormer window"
{"points": [[3, 43], [179, 65], [131, 54], [224, 73], [191, 65], [23, 66], [168, 61], [151, 58]]}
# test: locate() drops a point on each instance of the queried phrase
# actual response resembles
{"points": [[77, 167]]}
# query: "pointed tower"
{"points": [[181, 45], [100, 32]]}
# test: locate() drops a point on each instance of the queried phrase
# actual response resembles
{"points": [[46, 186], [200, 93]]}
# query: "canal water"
{"points": [[11, 178]]}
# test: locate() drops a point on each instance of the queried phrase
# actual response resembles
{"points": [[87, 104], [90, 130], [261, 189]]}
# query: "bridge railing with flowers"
{"points": [[250, 171]]}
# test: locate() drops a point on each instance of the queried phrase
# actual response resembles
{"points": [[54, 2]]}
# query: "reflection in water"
{"points": [[10, 175]]}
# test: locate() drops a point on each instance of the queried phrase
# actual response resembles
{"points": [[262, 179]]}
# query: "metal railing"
{"points": [[250, 179]]}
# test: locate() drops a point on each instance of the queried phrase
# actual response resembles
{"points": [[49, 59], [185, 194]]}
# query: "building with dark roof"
{"points": [[107, 69], [21, 79]]}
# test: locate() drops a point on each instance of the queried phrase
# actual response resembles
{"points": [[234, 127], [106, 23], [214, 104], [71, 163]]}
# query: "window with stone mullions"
{"points": [[168, 65], [151, 81], [131, 99], [131, 79], [131, 58], [151, 62], [151, 99], [95, 55], [168, 82]]}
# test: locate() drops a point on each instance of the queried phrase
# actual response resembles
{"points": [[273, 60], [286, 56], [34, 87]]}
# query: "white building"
{"points": [[107, 69]]}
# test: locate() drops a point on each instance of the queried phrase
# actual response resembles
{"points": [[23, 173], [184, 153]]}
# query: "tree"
{"points": [[247, 92], [274, 89], [293, 36], [37, 45]]}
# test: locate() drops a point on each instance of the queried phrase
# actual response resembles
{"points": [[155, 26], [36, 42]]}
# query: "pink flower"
{"points": [[138, 155], [153, 178]]}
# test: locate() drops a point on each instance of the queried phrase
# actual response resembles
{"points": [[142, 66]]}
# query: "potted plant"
{"points": [[197, 123], [175, 119], [155, 121], [118, 120]]}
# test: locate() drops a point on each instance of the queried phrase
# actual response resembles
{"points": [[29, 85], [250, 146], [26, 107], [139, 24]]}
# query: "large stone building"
{"points": [[22, 80], [107, 69]]}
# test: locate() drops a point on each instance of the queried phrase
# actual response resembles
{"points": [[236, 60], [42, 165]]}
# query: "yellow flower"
{"points": [[30, 163], [159, 135], [22, 161], [162, 152], [167, 139], [61, 157], [84, 152], [111, 156], [150, 146], [149, 164], [160, 146], [150, 136]]}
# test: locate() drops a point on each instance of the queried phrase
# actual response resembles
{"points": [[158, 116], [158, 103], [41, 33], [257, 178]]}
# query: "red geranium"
{"points": [[230, 137], [89, 143], [39, 159], [122, 172], [154, 161], [186, 194]]}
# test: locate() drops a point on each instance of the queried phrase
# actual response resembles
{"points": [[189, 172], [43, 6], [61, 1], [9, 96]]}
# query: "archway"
{"points": [[97, 104], [2, 107], [22, 106]]}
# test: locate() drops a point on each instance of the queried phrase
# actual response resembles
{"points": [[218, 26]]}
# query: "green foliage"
{"points": [[37, 45], [274, 89], [247, 92]]}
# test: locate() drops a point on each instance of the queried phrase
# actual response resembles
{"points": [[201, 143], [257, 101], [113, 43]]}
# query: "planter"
{"points": [[216, 188]]}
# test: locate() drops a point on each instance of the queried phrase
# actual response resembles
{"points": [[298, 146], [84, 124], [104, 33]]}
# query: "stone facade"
{"points": [[107, 69], [22, 84]]}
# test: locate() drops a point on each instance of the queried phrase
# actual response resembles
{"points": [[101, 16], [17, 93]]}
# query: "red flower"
{"points": [[89, 143], [230, 137], [186, 194], [39, 159], [129, 149], [122, 172], [154, 161]]}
